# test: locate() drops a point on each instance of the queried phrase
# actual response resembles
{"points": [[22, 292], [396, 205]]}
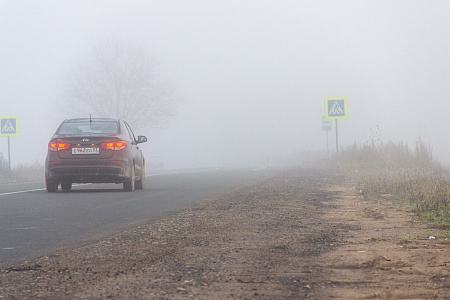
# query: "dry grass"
{"points": [[21, 172], [407, 174]]}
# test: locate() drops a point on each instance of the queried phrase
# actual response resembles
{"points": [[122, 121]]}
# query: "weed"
{"points": [[446, 235]]}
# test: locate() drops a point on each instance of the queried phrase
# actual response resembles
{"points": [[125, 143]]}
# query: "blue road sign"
{"points": [[335, 108], [8, 126]]}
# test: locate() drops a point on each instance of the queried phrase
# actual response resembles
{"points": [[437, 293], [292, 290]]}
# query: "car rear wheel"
{"points": [[140, 182], [66, 186], [128, 186], [52, 187]]}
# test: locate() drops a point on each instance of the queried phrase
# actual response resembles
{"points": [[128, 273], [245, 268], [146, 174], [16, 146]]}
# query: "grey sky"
{"points": [[252, 75]]}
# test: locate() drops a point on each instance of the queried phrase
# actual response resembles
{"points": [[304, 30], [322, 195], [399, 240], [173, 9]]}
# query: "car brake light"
{"points": [[56, 146], [116, 145]]}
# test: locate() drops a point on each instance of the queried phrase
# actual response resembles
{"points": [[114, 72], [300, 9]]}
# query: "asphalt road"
{"points": [[34, 222]]}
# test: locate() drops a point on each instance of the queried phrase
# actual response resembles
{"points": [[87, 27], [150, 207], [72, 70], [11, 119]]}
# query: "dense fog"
{"points": [[250, 76]]}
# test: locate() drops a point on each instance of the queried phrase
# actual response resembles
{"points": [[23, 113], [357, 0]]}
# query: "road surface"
{"points": [[34, 222]]}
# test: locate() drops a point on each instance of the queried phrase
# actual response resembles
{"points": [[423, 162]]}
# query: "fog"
{"points": [[251, 76]]}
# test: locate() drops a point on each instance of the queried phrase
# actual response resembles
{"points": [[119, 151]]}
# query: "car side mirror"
{"points": [[141, 139]]}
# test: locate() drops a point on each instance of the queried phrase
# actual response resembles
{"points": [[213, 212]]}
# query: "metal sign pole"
{"points": [[336, 108], [327, 126], [337, 143], [8, 127], [328, 151], [9, 155]]}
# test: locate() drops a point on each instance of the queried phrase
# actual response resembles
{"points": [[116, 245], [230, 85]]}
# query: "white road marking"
{"points": [[25, 228], [28, 191], [43, 189], [20, 192]]}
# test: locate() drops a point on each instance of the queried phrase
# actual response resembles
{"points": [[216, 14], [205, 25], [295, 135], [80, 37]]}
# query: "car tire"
{"points": [[52, 187], [128, 186], [139, 185], [66, 186]]}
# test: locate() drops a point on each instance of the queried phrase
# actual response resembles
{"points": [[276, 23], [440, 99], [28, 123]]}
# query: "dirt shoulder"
{"points": [[384, 251], [300, 235]]}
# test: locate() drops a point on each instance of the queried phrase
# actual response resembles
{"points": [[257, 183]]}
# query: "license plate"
{"points": [[94, 150]]}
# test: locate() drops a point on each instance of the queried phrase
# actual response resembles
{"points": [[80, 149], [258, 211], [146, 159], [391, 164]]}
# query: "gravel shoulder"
{"points": [[303, 234]]}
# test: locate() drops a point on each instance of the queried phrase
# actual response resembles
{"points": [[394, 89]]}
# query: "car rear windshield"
{"points": [[86, 127]]}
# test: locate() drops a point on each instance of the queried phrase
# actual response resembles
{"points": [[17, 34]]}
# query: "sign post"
{"points": [[327, 126], [335, 109], [8, 127]]}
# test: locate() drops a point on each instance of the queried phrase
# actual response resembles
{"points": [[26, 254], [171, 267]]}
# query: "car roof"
{"points": [[93, 119]]}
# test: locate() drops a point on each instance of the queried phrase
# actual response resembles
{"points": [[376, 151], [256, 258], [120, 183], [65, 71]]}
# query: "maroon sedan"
{"points": [[94, 150]]}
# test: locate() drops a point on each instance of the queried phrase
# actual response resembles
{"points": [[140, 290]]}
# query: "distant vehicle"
{"points": [[155, 162], [94, 150]]}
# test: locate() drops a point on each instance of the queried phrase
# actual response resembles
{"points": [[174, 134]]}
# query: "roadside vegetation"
{"points": [[402, 173], [21, 172]]}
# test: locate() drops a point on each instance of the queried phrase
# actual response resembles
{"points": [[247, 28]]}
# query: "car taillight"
{"points": [[56, 146], [116, 145]]}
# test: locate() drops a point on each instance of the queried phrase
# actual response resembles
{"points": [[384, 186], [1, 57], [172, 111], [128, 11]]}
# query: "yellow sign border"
{"points": [[326, 107], [17, 126]]}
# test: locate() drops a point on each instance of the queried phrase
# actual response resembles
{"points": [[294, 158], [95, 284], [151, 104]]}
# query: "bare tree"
{"points": [[120, 81]]}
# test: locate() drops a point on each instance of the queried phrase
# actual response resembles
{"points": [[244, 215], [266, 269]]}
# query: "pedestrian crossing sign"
{"points": [[8, 126], [335, 108]]}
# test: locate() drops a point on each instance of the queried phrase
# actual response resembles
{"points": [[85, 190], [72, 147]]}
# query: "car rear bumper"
{"points": [[87, 174]]}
